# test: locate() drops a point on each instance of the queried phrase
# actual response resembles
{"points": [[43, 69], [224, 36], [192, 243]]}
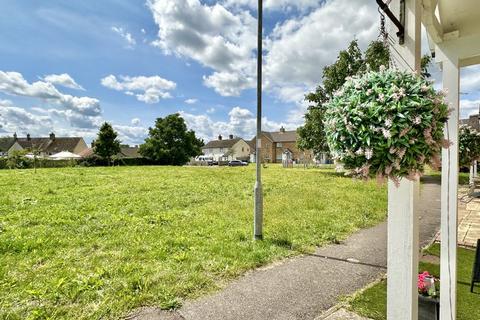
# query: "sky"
{"points": [[68, 66]]}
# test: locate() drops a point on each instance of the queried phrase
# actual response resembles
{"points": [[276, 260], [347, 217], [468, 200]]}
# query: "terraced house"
{"points": [[227, 149], [46, 146], [279, 144]]}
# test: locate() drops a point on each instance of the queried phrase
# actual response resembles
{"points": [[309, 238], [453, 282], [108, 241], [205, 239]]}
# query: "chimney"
{"points": [[52, 136], [219, 137], [28, 137], [282, 129], [230, 137], [15, 138]]}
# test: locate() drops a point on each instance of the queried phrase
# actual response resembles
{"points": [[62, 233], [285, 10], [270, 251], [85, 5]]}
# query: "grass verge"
{"points": [[372, 303], [89, 243]]}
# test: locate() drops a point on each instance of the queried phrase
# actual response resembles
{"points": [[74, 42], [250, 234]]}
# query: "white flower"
{"points": [[381, 97], [388, 123], [368, 153], [417, 120], [386, 133], [382, 68], [369, 92], [424, 88], [359, 152]]}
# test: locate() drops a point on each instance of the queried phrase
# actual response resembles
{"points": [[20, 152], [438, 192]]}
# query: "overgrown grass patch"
{"points": [[372, 302], [98, 242]]}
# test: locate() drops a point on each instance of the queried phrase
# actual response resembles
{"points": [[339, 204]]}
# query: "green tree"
{"points": [[349, 63], [106, 145], [17, 160], [170, 142]]}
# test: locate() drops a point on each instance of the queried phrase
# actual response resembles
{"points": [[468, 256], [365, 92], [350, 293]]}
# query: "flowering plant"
{"points": [[426, 284], [468, 145], [387, 123]]}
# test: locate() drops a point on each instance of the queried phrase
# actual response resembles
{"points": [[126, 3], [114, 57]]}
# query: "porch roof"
{"points": [[455, 25]]}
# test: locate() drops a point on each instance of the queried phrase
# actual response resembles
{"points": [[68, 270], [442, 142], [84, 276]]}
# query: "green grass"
{"points": [[98, 242], [372, 302]]}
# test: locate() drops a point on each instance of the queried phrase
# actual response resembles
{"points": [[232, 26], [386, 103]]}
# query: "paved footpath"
{"points": [[305, 287], [468, 217]]}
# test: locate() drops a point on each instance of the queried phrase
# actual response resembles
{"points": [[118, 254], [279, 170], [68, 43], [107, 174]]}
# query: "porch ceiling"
{"points": [[454, 25]]}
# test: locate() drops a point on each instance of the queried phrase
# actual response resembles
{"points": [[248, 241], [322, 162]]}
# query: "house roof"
{"points": [[129, 152], [285, 136], [277, 136], [48, 145], [473, 121], [227, 143], [86, 153], [6, 143]]}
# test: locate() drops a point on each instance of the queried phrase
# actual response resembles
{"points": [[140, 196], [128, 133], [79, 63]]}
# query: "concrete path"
{"points": [[468, 218], [305, 287]]}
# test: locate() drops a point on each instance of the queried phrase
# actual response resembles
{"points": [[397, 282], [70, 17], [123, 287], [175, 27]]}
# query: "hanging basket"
{"points": [[468, 144], [387, 124]]}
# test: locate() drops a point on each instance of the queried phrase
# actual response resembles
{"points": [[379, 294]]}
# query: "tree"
{"points": [[170, 142], [106, 145], [349, 63]]}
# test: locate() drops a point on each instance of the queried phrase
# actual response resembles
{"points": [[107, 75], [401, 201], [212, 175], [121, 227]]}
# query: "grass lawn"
{"points": [[372, 303], [98, 242]]}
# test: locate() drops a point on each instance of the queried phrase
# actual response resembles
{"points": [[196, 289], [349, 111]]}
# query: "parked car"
{"points": [[212, 163], [237, 163]]}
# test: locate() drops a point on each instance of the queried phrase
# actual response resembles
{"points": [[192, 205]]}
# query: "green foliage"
{"points": [[468, 145], [349, 63], [170, 142], [96, 243], [106, 145], [387, 123], [17, 160], [377, 55]]}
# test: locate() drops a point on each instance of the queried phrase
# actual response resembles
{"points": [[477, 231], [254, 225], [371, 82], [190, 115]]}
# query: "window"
{"points": [[243, 149], [279, 145]]}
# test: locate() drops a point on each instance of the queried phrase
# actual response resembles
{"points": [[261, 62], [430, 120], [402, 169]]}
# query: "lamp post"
{"points": [[258, 207]]}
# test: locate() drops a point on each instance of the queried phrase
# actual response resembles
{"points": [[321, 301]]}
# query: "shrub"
{"points": [[469, 145], [386, 123]]}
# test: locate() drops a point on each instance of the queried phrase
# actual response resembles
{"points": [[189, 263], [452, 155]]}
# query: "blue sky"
{"points": [[67, 66]]}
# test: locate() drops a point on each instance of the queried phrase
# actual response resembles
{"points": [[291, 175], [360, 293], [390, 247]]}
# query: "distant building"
{"points": [[126, 152], [5, 144], [473, 121], [279, 145], [227, 149], [45, 146], [129, 152]]}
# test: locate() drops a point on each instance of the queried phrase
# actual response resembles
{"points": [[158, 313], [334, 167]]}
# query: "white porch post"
{"points": [[403, 246], [448, 254], [475, 164]]}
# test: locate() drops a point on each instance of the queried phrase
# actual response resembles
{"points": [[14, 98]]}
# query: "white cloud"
{"points": [[134, 134], [149, 89], [64, 80], [469, 107], [285, 5], [73, 108], [127, 36], [470, 80], [241, 123], [211, 35], [191, 101], [135, 121], [211, 110], [16, 119], [299, 49]]}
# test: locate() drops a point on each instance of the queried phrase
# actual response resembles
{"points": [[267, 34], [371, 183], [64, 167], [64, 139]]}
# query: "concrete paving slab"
{"points": [[343, 314]]}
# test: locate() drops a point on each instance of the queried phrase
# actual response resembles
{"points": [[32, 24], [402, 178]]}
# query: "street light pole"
{"points": [[258, 214]]}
